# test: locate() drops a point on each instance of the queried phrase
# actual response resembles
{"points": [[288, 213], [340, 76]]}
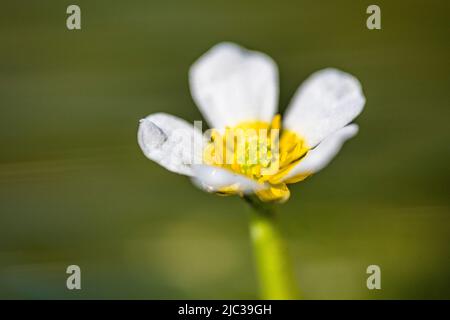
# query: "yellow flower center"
{"points": [[259, 151]]}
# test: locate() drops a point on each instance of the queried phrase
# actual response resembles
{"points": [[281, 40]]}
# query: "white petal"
{"points": [[171, 142], [231, 84], [213, 179], [319, 157], [327, 101]]}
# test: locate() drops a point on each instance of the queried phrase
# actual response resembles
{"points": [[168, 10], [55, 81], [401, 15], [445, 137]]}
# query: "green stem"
{"points": [[276, 278]]}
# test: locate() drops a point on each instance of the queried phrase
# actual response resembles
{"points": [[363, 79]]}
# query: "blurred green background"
{"points": [[76, 189]]}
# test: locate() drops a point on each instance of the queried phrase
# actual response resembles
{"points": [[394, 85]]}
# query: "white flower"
{"points": [[238, 88]]}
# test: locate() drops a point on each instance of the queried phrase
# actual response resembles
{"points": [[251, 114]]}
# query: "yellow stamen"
{"points": [[255, 149]]}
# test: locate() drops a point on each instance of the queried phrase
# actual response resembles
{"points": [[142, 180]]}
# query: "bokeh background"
{"points": [[76, 189]]}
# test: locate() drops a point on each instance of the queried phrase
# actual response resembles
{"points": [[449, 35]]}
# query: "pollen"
{"points": [[259, 151]]}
